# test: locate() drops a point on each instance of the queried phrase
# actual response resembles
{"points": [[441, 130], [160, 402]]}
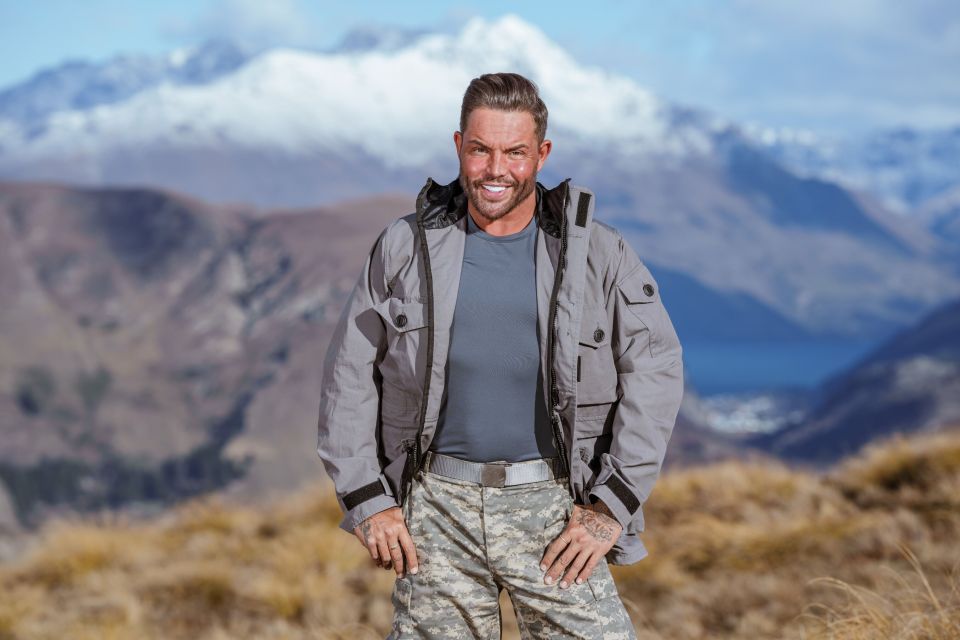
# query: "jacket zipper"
{"points": [[416, 461], [415, 452], [554, 391], [406, 476]]}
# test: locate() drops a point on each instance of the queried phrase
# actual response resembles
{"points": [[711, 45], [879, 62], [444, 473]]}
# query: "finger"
{"points": [[370, 544], [562, 562], [588, 568], [396, 554], [384, 552], [574, 568], [411, 562], [554, 549]]}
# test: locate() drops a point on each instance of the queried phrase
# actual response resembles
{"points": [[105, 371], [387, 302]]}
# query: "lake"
{"points": [[731, 367]]}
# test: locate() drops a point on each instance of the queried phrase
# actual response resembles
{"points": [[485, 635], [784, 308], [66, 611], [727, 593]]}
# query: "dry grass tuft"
{"points": [[919, 472], [737, 550], [908, 608]]}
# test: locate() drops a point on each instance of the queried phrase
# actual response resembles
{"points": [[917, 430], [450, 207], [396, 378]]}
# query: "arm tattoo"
{"points": [[365, 527], [596, 525]]}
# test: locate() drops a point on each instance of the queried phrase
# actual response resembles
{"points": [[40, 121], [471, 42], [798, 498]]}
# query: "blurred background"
{"points": [[188, 191]]}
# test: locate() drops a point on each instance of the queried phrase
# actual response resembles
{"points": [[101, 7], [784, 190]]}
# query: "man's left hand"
{"points": [[590, 533]]}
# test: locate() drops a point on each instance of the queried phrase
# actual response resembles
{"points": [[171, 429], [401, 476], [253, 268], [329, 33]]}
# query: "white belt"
{"points": [[493, 474]]}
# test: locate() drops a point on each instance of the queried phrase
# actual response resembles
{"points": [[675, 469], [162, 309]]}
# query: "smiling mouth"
{"points": [[495, 188]]}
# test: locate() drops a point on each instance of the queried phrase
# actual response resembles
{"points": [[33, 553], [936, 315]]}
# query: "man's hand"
{"points": [[590, 532], [385, 536]]}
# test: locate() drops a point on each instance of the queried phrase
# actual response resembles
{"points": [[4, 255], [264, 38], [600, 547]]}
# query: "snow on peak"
{"points": [[399, 103]]}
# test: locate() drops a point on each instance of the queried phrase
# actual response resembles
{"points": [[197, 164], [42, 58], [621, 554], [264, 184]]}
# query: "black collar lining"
{"points": [[440, 205]]}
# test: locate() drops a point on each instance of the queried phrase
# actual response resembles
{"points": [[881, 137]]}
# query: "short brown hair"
{"points": [[505, 92]]}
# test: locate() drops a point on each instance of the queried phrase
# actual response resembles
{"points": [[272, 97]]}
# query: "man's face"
{"points": [[499, 160]]}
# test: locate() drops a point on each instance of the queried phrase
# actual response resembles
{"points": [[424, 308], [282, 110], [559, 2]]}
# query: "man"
{"points": [[499, 393]]}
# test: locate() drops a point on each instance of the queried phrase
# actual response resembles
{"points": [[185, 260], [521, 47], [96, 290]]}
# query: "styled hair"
{"points": [[505, 92]]}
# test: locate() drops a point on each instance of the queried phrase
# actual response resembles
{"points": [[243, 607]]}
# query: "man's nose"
{"points": [[495, 167]]}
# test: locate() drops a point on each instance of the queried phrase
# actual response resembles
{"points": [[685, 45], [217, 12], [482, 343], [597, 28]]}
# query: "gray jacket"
{"points": [[613, 374]]}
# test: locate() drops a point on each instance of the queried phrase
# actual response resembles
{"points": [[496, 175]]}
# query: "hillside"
{"points": [[909, 383], [737, 550], [153, 347]]}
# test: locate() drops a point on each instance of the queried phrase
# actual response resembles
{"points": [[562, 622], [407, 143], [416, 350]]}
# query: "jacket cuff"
{"points": [[628, 550], [362, 503], [616, 494], [619, 511]]}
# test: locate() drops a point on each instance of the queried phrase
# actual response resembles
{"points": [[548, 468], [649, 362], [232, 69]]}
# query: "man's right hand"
{"points": [[384, 530]]}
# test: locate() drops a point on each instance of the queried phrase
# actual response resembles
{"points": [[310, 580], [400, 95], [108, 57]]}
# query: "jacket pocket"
{"points": [[399, 408], [595, 419], [642, 296], [404, 358], [596, 369]]}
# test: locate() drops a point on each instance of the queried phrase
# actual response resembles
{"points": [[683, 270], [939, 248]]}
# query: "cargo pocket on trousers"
{"points": [[402, 619], [611, 612]]}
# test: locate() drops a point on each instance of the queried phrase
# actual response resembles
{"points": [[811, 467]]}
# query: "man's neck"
{"points": [[516, 220]]}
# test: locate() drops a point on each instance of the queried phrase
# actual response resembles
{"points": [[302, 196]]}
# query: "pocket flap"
{"points": [[639, 287], [403, 315], [594, 332]]}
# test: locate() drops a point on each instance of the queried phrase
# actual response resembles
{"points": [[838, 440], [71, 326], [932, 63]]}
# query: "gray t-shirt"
{"points": [[493, 407]]}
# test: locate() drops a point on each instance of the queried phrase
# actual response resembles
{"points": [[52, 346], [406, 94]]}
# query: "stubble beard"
{"points": [[492, 211]]}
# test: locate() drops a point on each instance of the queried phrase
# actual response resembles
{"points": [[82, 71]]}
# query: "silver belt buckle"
{"points": [[494, 474]]}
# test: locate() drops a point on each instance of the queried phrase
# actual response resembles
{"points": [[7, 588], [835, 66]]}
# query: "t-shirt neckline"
{"points": [[473, 229]]}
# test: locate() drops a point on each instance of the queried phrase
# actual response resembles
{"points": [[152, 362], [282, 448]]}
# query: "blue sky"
{"points": [[855, 65]]}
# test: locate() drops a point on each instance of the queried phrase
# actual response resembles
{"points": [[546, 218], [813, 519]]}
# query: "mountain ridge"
{"points": [[910, 383], [287, 127]]}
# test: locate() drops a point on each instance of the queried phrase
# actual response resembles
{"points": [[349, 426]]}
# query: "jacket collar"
{"points": [[440, 205]]}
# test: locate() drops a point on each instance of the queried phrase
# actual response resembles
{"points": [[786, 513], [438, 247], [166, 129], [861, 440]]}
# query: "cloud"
{"points": [[255, 23]]}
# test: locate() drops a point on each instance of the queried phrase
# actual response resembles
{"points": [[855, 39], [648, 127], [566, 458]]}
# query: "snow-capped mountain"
{"points": [[397, 105], [703, 202], [78, 86]]}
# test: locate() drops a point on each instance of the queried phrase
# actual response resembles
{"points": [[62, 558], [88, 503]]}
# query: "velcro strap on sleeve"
{"points": [[623, 492], [363, 494]]}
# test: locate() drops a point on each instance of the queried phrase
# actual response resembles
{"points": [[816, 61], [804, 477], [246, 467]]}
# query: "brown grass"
{"points": [[737, 550]]}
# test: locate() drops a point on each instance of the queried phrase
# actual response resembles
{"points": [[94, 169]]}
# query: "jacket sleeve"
{"points": [[350, 399], [650, 379]]}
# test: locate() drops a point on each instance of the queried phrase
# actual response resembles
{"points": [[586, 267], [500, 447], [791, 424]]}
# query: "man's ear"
{"points": [[457, 141], [545, 148]]}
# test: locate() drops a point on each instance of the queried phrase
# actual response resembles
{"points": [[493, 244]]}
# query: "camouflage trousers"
{"points": [[473, 541]]}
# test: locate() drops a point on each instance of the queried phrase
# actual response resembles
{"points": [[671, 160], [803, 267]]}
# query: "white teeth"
{"points": [[494, 189]]}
